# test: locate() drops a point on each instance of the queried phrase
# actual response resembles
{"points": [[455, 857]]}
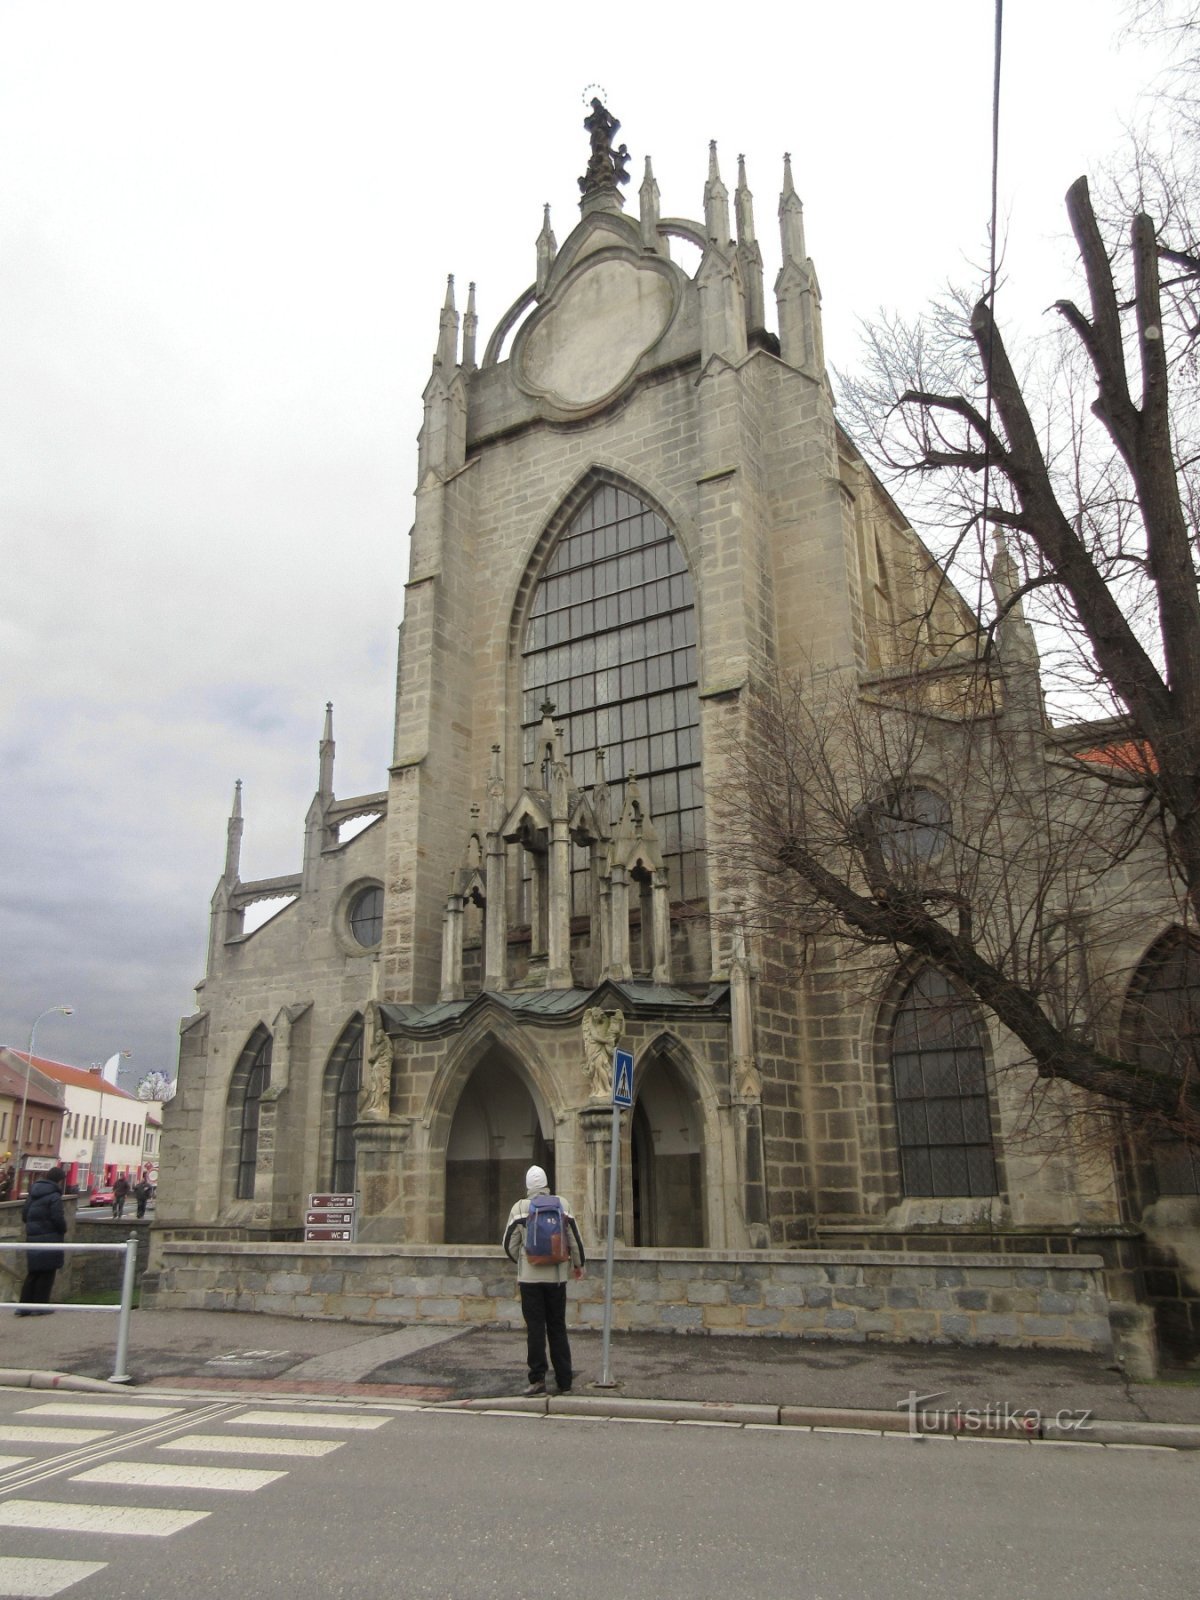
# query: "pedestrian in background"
{"points": [[44, 1219], [120, 1194], [543, 1290], [141, 1193]]}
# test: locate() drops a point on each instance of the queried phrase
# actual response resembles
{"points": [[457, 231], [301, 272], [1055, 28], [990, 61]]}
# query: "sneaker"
{"points": [[564, 1388], [536, 1388]]}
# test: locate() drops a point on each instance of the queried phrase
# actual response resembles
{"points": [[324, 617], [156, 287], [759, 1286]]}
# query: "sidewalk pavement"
{"points": [[794, 1380]]}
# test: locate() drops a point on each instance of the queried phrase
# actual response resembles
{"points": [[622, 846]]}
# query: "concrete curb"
{"points": [[21, 1378], [1171, 1435], [1148, 1435]]}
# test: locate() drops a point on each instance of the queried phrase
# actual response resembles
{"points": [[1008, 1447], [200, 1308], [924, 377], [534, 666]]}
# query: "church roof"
{"points": [[553, 1005]]}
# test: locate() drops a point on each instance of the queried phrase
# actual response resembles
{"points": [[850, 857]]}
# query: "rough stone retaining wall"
{"points": [[1042, 1301]]}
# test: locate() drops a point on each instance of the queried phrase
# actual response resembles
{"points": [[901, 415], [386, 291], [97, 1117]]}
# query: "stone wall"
{"points": [[1044, 1302]]}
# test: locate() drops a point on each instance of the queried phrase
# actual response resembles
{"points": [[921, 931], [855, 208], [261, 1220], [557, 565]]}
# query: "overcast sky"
{"points": [[224, 235]]}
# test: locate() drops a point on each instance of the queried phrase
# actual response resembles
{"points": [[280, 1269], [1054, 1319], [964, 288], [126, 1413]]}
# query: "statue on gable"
{"points": [[602, 1032], [607, 167]]}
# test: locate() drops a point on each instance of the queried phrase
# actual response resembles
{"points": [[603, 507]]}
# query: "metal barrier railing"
{"points": [[128, 1250]]}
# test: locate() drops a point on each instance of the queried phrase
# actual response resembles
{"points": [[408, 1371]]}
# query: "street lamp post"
{"points": [[19, 1141]]}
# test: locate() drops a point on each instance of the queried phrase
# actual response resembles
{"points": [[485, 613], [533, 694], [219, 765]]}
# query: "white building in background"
{"points": [[104, 1128]]}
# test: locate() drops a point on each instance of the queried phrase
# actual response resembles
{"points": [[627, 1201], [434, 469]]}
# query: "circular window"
{"points": [[366, 916], [913, 825]]}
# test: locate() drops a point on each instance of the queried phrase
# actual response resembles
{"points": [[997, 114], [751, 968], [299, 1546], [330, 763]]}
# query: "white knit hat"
{"points": [[535, 1178]]}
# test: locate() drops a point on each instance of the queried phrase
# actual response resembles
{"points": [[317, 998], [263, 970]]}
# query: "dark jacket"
{"points": [[45, 1219]]}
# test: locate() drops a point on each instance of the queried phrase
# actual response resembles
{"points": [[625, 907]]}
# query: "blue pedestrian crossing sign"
{"points": [[622, 1078]]}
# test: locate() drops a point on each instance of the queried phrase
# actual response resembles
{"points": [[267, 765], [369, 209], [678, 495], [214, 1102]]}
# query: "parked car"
{"points": [[100, 1197]]}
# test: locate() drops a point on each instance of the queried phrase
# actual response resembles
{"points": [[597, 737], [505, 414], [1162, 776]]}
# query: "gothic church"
{"points": [[632, 499]]}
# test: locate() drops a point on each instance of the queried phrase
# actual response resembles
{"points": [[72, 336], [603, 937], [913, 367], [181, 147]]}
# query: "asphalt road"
{"points": [[382, 1499]]}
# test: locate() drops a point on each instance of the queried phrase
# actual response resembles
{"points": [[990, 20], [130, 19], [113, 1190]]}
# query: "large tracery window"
{"points": [[1163, 1029], [611, 644], [942, 1107], [257, 1079]]}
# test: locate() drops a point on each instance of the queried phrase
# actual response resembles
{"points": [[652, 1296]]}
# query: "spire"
{"points": [[547, 249], [791, 218], [722, 296], [1015, 641], [447, 349], [649, 198], [749, 255], [797, 294], [743, 204], [325, 780], [470, 328], [233, 836], [716, 201]]}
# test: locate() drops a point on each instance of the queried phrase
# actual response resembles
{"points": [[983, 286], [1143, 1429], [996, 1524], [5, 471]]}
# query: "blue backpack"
{"points": [[546, 1242]]}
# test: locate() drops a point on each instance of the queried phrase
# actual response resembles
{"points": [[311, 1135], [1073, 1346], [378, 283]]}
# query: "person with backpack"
{"points": [[541, 1236]]}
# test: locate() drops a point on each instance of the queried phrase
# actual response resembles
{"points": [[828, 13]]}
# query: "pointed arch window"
{"points": [[348, 1068], [943, 1110], [1163, 1033], [256, 1060], [611, 642]]}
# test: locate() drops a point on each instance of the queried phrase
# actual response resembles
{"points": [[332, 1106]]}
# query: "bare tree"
{"points": [[934, 814]]}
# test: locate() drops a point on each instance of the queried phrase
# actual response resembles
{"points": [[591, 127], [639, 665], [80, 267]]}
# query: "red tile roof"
{"points": [[76, 1077]]}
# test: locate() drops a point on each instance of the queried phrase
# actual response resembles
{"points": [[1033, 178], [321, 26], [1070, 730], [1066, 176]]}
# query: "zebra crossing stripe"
{"points": [[167, 1475], [252, 1444], [36, 1579], [309, 1419], [111, 1413], [13, 1433], [62, 1517]]}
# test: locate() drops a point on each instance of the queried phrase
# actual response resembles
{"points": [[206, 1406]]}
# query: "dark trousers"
{"points": [[544, 1307], [37, 1287]]}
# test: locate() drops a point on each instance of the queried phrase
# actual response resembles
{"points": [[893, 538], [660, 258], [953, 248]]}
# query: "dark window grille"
{"points": [[1165, 1014], [346, 1111], [257, 1080], [366, 916], [611, 643], [943, 1113]]}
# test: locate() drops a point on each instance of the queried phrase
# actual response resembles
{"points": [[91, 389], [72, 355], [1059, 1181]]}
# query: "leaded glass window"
{"points": [[346, 1109], [258, 1077], [943, 1113], [1165, 1016], [611, 644], [366, 916]]}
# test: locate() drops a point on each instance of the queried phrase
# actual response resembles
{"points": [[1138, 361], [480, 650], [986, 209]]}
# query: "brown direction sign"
{"points": [[326, 1217], [339, 1202], [328, 1236]]}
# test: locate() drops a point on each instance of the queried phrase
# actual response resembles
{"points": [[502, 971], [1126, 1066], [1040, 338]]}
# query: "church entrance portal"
{"points": [[666, 1161], [494, 1138]]}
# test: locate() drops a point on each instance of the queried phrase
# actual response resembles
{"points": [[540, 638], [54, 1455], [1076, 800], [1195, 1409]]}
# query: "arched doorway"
{"points": [[496, 1135], [666, 1159]]}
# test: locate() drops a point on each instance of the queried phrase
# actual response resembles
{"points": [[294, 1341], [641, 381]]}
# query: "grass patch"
{"points": [[104, 1297]]}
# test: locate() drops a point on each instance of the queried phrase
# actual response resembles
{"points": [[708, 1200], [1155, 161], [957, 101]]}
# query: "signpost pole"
{"points": [[622, 1096]]}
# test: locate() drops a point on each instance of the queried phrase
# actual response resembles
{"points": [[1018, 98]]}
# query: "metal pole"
{"points": [[606, 1377], [120, 1375]]}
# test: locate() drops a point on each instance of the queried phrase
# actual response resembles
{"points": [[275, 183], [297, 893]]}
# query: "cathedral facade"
{"points": [[633, 502]]}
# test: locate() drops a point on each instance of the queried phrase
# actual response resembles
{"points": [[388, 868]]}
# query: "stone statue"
{"points": [[602, 1032], [375, 1096], [607, 167]]}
